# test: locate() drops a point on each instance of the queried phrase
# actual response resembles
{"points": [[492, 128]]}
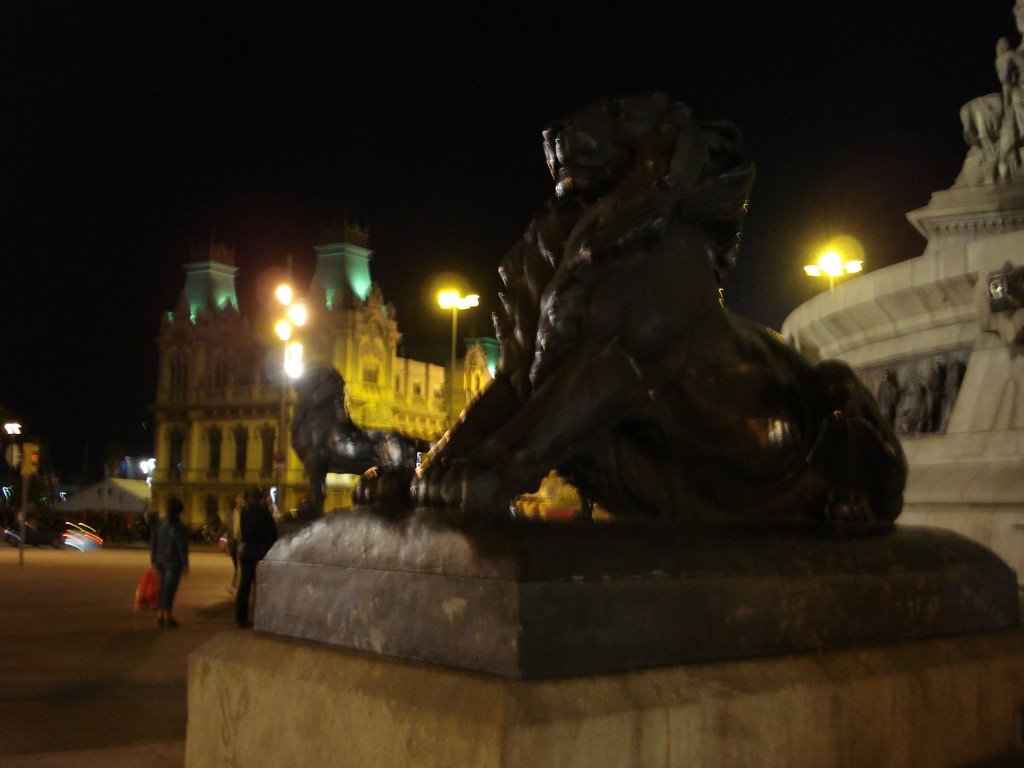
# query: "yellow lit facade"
{"points": [[218, 400]]}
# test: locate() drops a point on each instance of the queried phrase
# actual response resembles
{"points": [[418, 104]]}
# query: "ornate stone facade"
{"points": [[218, 399]]}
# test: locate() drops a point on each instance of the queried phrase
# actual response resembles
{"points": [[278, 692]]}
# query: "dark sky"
{"points": [[129, 131]]}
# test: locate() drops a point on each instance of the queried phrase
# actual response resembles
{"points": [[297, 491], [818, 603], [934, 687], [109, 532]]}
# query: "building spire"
{"points": [[210, 278]]}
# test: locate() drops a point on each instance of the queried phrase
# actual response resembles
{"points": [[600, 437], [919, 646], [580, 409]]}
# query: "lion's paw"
{"points": [[848, 509]]}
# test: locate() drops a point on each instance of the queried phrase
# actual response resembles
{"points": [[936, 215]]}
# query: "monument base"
{"points": [[535, 601], [255, 700]]}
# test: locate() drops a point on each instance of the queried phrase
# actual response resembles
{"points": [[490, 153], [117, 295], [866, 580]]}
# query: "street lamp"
{"points": [[295, 316], [842, 256], [15, 458], [147, 467], [450, 299]]}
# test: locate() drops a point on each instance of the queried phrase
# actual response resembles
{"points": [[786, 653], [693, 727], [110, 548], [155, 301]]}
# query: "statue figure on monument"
{"points": [[622, 369], [994, 123], [888, 396]]}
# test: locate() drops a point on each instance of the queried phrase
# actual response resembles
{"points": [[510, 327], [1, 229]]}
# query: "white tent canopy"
{"points": [[112, 495]]}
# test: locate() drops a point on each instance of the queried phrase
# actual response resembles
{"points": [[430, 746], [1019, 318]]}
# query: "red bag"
{"points": [[147, 593]]}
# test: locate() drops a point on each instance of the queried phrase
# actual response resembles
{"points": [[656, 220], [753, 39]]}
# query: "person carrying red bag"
{"points": [[169, 555]]}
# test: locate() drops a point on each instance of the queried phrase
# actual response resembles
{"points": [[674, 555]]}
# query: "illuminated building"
{"points": [[218, 393]]}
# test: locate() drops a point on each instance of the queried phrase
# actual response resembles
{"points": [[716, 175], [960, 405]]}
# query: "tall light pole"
{"points": [[842, 256], [450, 299], [291, 368], [16, 458]]}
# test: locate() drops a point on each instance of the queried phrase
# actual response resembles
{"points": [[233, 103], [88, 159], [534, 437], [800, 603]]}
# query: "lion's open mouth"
{"points": [[564, 166], [555, 165]]}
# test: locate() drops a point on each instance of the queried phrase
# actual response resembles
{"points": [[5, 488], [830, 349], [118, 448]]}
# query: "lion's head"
{"points": [[652, 159], [590, 152]]}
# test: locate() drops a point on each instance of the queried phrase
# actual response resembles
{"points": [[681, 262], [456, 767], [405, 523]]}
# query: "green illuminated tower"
{"points": [[210, 280], [343, 265]]}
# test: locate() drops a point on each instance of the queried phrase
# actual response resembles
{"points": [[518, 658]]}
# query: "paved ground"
{"points": [[84, 680]]}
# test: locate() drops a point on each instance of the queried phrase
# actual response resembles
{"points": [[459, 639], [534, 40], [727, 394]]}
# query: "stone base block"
{"points": [[256, 700], [544, 600]]}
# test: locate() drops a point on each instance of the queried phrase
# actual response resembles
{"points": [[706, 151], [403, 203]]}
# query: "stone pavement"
{"points": [[84, 680]]}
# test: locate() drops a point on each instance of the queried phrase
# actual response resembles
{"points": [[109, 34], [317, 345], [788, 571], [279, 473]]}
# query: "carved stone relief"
{"points": [[916, 395]]}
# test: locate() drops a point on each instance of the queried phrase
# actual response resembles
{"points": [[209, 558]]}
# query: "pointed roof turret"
{"points": [[210, 279], [343, 263]]}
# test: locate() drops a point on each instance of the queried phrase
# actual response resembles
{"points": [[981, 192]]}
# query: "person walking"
{"points": [[257, 533], [169, 555]]}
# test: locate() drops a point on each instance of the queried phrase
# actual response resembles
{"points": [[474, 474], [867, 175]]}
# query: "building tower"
{"points": [[217, 406]]}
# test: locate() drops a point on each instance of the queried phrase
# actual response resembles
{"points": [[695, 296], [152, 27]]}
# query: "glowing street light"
{"points": [[450, 299], [293, 360], [842, 256], [284, 294], [297, 314], [295, 317], [14, 456]]}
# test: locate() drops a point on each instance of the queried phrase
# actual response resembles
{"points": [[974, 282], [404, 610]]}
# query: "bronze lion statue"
{"points": [[621, 367], [325, 439]]}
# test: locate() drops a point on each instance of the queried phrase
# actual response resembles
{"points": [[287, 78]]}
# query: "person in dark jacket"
{"points": [[257, 533], [169, 555]]}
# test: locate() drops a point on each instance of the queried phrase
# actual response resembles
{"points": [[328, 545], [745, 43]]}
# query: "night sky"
{"points": [[129, 131]]}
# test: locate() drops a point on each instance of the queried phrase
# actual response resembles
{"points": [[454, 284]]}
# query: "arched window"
{"points": [[267, 452], [179, 377], [241, 435], [211, 518], [176, 444], [215, 436], [220, 374]]}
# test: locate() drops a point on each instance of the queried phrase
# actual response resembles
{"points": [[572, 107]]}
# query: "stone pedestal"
{"points": [[547, 635], [256, 701], [532, 600]]}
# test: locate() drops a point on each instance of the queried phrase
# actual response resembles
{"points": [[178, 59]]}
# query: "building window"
{"points": [[179, 378], [176, 443], [220, 374], [215, 436], [243, 373], [370, 374], [212, 519], [398, 383], [267, 452], [417, 389], [241, 449]]}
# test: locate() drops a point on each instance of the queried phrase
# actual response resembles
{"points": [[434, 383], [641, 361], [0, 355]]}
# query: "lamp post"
{"points": [[17, 460], [291, 368], [842, 256], [451, 299]]}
